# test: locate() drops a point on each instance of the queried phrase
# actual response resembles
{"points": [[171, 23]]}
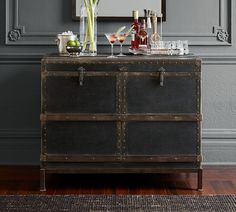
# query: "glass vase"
{"points": [[88, 28]]}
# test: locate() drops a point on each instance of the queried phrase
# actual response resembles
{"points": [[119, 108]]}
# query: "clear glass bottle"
{"points": [[88, 29], [155, 37], [149, 27]]}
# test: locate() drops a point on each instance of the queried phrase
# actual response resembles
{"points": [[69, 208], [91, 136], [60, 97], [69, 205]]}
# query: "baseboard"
{"points": [[19, 146], [219, 146], [19, 151]]}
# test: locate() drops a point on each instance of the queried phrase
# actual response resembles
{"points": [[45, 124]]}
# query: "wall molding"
{"points": [[207, 134], [219, 134], [219, 59], [16, 33], [218, 145], [219, 35], [20, 58], [20, 133]]}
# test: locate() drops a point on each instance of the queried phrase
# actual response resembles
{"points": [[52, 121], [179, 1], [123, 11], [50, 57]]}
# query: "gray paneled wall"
{"points": [[28, 29]]}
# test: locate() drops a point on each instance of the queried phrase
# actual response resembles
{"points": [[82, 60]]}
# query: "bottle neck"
{"points": [[154, 22], [135, 15], [136, 20], [155, 28], [136, 25], [149, 23], [143, 27]]}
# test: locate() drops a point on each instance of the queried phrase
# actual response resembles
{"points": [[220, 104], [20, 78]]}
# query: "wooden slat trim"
{"points": [[120, 117], [128, 159], [76, 73], [61, 170], [78, 117], [128, 60], [112, 73], [156, 73]]}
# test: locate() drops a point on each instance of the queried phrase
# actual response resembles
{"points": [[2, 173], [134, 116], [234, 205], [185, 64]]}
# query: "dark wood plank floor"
{"points": [[25, 180]]}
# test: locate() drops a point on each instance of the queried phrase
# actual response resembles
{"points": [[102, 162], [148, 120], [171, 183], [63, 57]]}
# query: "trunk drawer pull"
{"points": [[81, 71], [123, 68], [162, 76]]}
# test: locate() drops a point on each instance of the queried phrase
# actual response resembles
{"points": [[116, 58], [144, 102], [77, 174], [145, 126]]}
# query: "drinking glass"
{"points": [[185, 46], [111, 37], [161, 44], [121, 38], [180, 47], [173, 47], [167, 45]]}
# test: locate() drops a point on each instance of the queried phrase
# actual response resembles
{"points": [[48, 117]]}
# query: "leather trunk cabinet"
{"points": [[135, 114]]}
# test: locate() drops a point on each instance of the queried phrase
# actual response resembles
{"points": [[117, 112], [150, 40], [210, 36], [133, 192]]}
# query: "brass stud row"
{"points": [[119, 138]]}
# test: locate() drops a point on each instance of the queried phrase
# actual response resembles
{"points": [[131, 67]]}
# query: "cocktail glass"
{"points": [[111, 37], [121, 38]]}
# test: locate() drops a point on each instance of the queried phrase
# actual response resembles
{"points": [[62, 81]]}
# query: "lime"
{"points": [[71, 43], [77, 43]]}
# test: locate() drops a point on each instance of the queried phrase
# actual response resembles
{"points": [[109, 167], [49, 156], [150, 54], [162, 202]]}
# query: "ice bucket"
{"points": [[62, 42]]}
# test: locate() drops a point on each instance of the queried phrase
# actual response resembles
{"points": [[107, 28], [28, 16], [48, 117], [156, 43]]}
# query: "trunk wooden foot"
{"points": [[42, 180], [199, 180]]}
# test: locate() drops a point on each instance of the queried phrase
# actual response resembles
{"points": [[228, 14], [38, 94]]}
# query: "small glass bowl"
{"points": [[74, 51]]}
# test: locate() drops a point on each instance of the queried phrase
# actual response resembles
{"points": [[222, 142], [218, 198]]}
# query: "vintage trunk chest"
{"points": [[134, 114]]}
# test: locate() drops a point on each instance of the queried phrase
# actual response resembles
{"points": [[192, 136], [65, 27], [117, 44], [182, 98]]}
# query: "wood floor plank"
{"points": [[25, 180]]}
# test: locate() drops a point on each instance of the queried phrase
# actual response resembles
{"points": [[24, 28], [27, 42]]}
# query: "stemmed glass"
{"points": [[121, 38], [111, 37], [180, 47], [173, 47], [185, 46]]}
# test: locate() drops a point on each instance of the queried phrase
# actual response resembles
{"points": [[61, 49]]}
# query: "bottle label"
{"points": [[135, 14], [133, 36]]}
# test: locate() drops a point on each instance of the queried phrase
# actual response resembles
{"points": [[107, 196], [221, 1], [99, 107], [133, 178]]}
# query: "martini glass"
{"points": [[111, 37], [121, 38]]}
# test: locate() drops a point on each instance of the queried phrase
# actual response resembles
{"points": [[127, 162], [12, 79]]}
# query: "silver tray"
{"points": [[154, 51]]}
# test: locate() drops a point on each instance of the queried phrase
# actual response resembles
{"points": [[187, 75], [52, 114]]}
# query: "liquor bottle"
{"points": [[142, 35], [148, 27], [135, 30], [155, 37]]}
